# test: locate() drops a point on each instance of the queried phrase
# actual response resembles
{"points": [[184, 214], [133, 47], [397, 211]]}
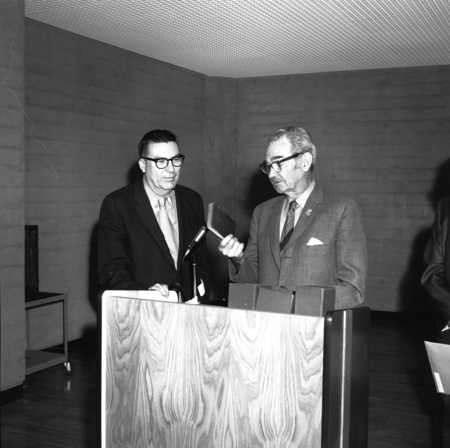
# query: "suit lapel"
{"points": [[312, 206], [445, 213], [274, 230], [146, 213], [183, 211]]}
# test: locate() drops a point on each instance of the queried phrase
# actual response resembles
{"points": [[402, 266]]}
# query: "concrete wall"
{"points": [[383, 137], [220, 161], [12, 297], [89, 105]]}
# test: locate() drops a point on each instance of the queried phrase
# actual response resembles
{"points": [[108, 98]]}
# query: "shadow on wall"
{"points": [[259, 190], [134, 174], [94, 283], [412, 296], [218, 268]]}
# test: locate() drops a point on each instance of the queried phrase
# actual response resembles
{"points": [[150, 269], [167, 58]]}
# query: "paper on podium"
{"points": [[219, 222], [439, 356], [143, 295]]}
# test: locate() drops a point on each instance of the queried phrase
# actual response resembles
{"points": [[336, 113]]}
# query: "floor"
{"points": [[405, 409], [61, 411], [57, 410]]}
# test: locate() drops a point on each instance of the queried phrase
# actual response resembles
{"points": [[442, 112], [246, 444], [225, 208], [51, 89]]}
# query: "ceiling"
{"points": [[247, 38]]}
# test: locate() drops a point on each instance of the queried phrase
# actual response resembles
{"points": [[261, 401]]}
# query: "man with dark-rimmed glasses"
{"points": [[145, 228], [306, 236]]}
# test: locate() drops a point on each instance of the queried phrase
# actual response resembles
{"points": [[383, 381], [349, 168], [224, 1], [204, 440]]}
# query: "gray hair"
{"points": [[299, 139]]}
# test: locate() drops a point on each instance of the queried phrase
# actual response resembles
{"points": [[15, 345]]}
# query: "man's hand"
{"points": [[163, 289], [232, 248]]}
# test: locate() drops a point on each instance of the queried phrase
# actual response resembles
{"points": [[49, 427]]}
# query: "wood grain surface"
{"points": [[193, 376]]}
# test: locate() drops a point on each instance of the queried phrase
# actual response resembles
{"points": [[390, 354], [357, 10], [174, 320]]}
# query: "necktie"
{"points": [[289, 225], [168, 229]]}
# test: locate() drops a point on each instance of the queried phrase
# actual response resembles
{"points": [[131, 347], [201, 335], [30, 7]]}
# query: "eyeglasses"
{"points": [[162, 163], [266, 167]]}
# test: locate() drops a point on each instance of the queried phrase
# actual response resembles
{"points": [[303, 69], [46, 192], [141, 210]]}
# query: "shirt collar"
{"points": [[301, 200], [153, 197]]}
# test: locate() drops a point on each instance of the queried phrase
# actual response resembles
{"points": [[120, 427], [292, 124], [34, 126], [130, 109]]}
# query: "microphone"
{"points": [[197, 238]]}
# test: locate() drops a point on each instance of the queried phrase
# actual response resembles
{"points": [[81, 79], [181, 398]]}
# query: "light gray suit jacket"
{"points": [[341, 261]]}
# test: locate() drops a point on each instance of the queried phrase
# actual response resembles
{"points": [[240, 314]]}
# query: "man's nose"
{"points": [[272, 172]]}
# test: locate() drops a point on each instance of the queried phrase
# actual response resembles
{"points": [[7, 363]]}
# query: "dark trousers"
{"points": [[446, 422]]}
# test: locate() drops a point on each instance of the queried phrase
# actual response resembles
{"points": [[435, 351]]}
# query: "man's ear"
{"points": [[142, 165], [306, 161]]}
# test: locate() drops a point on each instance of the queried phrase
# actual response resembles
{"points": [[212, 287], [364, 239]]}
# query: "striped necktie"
{"points": [[289, 225], [168, 229]]}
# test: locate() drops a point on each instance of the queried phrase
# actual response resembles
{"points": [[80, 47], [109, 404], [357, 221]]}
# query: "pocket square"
{"points": [[314, 242]]}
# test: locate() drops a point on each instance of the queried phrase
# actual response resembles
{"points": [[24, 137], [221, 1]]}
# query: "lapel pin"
{"points": [[308, 212]]}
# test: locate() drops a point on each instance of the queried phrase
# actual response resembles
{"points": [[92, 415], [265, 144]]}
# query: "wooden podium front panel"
{"points": [[176, 375]]}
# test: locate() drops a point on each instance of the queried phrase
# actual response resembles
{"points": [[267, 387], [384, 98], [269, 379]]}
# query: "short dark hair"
{"points": [[155, 136]]}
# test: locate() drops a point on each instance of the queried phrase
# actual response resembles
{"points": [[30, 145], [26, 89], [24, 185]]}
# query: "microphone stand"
{"points": [[194, 274], [179, 290], [190, 251], [178, 287]]}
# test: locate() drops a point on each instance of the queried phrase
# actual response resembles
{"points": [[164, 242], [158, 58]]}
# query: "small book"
{"points": [[439, 357], [219, 222]]}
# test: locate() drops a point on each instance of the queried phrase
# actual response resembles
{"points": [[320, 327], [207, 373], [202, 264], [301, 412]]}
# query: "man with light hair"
{"points": [[306, 236]]}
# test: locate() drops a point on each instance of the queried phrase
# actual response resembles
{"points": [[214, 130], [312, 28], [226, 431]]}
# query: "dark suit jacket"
{"points": [[436, 277], [132, 251], [340, 261]]}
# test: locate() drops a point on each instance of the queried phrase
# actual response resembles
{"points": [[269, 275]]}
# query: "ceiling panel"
{"points": [[243, 38]]}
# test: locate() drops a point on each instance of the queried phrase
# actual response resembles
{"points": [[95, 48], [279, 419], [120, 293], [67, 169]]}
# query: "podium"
{"points": [[178, 375]]}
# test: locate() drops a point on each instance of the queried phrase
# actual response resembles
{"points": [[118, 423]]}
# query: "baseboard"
{"points": [[412, 316], [10, 395]]}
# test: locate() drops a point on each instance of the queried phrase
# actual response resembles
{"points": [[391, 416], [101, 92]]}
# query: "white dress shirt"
{"points": [[301, 201], [171, 205]]}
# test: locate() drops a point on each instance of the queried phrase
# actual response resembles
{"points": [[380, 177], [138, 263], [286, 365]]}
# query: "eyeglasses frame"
{"points": [[279, 162], [178, 156]]}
